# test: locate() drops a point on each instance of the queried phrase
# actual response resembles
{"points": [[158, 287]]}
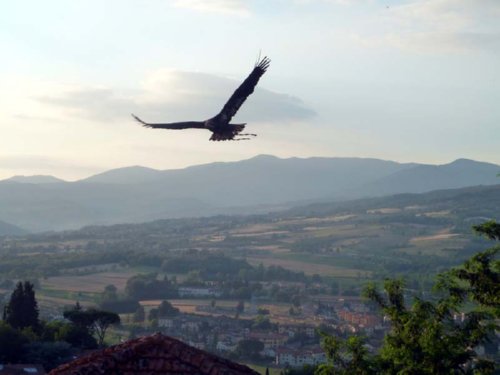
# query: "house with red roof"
{"points": [[154, 354]]}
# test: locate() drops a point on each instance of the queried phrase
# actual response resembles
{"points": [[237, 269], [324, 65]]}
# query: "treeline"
{"points": [[210, 266], [24, 338], [207, 270]]}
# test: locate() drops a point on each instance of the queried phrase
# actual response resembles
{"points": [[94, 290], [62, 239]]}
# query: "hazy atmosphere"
{"points": [[250, 187], [399, 80]]}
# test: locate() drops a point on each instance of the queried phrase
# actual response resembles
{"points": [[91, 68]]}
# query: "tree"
{"points": [[249, 348], [262, 322], [240, 307], [22, 310], [93, 321], [424, 337], [109, 293], [346, 357], [479, 278], [153, 314], [304, 370], [49, 354], [139, 315], [102, 321], [12, 344], [77, 336], [296, 300], [166, 309]]}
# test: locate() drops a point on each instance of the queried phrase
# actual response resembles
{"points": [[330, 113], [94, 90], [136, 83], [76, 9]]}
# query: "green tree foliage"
{"points": [[424, 337], [120, 305], [304, 370], [249, 349], [490, 229], [92, 321], [139, 315], [346, 357], [12, 344], [109, 293], [262, 322], [104, 319], [209, 266], [150, 287], [77, 336], [164, 310], [153, 315], [479, 278], [49, 354], [240, 307], [22, 309]]}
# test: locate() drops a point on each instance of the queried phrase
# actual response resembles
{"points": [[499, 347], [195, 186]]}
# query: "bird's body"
{"points": [[219, 125]]}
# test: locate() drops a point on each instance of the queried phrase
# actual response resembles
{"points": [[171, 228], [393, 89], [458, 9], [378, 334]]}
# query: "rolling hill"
{"points": [[260, 184], [7, 229]]}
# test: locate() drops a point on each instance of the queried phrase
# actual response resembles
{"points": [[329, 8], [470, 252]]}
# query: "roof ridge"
{"points": [[156, 353]]}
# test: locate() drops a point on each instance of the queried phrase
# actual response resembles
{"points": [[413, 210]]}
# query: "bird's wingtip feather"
{"points": [[139, 120], [264, 63]]}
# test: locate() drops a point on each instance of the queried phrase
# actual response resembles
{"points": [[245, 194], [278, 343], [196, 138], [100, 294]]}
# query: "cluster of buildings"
{"points": [[287, 344], [360, 319], [222, 335]]}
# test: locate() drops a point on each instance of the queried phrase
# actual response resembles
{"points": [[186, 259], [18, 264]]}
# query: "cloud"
{"points": [[168, 95], [95, 103], [230, 7]]}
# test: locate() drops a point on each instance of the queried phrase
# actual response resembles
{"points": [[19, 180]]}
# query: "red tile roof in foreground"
{"points": [[155, 354]]}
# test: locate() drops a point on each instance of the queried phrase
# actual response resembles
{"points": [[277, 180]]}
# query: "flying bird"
{"points": [[219, 125]]}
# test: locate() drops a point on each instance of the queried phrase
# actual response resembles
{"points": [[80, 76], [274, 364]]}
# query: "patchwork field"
{"points": [[312, 265], [93, 283]]}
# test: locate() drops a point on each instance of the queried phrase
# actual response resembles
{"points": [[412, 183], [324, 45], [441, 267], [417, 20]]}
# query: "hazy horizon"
{"points": [[411, 81], [231, 161]]}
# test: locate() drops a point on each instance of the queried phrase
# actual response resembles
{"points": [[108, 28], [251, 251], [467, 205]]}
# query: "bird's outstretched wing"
{"points": [[241, 94], [172, 125]]}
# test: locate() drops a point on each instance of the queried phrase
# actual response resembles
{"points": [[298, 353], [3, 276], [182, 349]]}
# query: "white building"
{"points": [[299, 358], [187, 291]]}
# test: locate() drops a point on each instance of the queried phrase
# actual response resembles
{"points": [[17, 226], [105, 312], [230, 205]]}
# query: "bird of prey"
{"points": [[219, 125]]}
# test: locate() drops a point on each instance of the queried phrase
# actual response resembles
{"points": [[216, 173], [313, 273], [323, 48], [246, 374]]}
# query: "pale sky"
{"points": [[412, 80]]}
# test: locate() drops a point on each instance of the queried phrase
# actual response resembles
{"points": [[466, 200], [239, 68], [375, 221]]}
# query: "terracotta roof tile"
{"points": [[155, 354]]}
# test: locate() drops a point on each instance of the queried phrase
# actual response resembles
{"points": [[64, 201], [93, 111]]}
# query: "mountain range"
{"points": [[260, 184]]}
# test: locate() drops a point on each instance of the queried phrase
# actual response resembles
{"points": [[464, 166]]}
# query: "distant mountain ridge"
{"points": [[37, 179], [126, 175], [422, 178], [7, 229], [259, 184]]}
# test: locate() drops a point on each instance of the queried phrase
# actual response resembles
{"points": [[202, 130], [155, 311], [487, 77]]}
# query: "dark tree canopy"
{"points": [[249, 348], [12, 344], [22, 309], [95, 322]]}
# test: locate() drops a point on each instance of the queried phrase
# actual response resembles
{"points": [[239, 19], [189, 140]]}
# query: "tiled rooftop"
{"points": [[155, 354]]}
